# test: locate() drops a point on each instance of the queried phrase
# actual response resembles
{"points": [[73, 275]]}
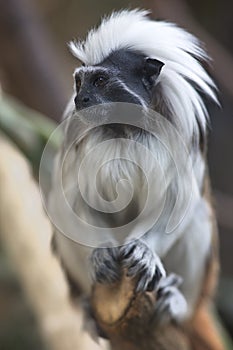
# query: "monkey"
{"points": [[151, 66]]}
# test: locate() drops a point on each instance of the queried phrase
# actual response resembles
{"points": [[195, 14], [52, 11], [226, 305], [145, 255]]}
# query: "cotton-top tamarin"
{"points": [[133, 61]]}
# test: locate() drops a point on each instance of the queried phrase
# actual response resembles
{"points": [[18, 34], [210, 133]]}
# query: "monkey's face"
{"points": [[125, 76]]}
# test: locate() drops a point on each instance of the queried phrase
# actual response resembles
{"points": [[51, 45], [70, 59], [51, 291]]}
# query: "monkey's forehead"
{"points": [[118, 61], [81, 71]]}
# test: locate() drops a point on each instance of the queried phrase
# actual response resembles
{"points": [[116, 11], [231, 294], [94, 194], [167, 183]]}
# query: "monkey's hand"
{"points": [[170, 304], [136, 258]]}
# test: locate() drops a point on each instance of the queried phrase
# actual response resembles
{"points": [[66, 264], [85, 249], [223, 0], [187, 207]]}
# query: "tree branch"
{"points": [[25, 232], [126, 318]]}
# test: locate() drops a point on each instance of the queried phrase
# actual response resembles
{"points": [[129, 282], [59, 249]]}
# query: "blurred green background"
{"points": [[36, 72]]}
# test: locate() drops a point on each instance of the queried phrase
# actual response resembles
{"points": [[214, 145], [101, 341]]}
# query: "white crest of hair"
{"points": [[179, 50]]}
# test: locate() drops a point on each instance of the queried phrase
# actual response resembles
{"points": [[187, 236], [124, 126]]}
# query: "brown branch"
{"points": [[126, 318], [25, 232]]}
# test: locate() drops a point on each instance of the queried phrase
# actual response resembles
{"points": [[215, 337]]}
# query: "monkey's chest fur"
{"points": [[109, 175]]}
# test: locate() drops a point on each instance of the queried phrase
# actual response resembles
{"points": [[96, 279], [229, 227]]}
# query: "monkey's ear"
{"points": [[151, 71]]}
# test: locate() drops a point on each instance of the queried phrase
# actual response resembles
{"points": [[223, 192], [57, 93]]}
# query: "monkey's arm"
{"points": [[189, 254]]}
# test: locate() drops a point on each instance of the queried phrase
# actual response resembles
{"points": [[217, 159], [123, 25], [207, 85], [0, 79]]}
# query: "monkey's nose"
{"points": [[85, 99], [81, 101]]}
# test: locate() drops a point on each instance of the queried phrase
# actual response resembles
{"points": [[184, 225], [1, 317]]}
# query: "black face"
{"points": [[125, 76]]}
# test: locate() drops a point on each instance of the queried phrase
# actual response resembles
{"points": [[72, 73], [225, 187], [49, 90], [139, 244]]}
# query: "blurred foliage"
{"points": [[29, 130], [18, 327]]}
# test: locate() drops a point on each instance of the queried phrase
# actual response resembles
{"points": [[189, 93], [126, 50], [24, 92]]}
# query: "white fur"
{"points": [[177, 49]]}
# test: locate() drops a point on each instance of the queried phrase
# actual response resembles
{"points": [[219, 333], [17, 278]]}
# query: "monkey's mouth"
{"points": [[111, 114], [96, 115], [126, 131]]}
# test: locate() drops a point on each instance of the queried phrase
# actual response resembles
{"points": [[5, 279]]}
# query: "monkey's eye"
{"points": [[78, 84], [99, 81]]}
